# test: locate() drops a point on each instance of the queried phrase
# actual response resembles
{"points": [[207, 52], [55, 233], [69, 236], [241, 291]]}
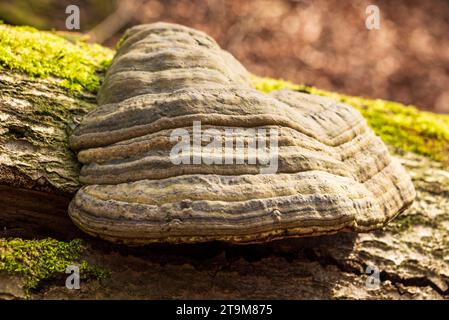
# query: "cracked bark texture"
{"points": [[38, 178]]}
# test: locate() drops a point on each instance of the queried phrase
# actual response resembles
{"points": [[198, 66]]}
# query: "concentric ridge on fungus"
{"points": [[333, 173]]}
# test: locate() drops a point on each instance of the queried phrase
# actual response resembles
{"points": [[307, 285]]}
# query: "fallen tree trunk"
{"points": [[39, 176], [38, 172]]}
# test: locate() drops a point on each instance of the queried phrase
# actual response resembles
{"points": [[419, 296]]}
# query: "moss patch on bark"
{"points": [[42, 54], [39, 260]]}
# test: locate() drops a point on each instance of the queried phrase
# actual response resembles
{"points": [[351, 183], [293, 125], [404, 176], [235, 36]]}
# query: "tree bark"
{"points": [[39, 176], [38, 172]]}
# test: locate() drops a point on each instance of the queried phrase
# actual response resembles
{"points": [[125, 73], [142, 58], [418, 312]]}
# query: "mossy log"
{"points": [[39, 176]]}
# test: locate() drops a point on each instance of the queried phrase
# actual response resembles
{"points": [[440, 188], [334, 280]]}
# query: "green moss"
{"points": [[121, 41], [42, 54], [403, 127], [406, 222], [39, 260]]}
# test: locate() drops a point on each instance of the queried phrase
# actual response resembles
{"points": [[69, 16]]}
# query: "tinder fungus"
{"points": [[182, 148]]}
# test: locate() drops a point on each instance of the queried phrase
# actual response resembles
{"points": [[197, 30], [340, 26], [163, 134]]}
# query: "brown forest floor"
{"points": [[323, 43]]}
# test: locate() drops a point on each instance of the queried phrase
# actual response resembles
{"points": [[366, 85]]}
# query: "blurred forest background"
{"points": [[322, 43]]}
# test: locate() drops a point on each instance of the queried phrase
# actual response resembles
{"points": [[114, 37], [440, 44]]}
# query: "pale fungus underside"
{"points": [[333, 173]]}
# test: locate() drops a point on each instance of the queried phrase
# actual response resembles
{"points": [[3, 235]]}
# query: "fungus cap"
{"points": [[333, 174]]}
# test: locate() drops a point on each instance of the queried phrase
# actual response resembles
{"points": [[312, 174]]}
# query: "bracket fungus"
{"points": [[333, 174]]}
